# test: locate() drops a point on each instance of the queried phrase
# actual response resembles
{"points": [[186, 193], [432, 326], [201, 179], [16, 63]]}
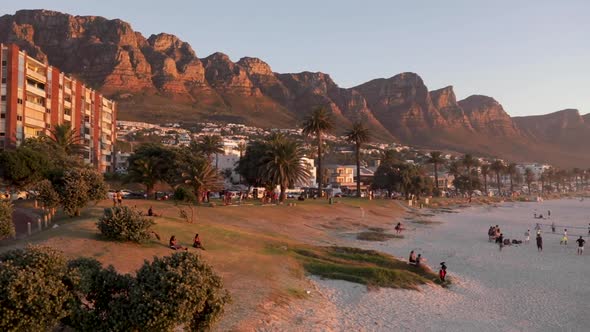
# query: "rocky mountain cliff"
{"points": [[161, 78]]}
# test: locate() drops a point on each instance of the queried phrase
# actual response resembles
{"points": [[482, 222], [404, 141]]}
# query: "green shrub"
{"points": [[102, 298], [174, 290], [47, 195], [6, 223], [35, 289], [125, 224]]}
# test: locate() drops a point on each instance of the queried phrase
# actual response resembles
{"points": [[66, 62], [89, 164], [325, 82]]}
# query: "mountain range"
{"points": [[161, 79]]}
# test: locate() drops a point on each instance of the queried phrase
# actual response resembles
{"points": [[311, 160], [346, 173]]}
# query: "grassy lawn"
{"points": [[261, 252]]}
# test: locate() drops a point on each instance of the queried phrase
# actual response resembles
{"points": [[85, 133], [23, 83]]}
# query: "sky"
{"points": [[531, 56]]}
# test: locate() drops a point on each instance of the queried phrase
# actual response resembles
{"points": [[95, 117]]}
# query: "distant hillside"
{"points": [[161, 79]]}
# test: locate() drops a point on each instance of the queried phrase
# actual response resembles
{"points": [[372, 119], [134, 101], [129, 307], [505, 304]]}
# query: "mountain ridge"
{"points": [[161, 78]]}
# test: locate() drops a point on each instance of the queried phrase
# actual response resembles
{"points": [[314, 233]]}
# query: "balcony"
{"points": [[67, 104], [36, 107], [36, 90], [35, 75], [34, 122], [106, 130], [67, 90]]}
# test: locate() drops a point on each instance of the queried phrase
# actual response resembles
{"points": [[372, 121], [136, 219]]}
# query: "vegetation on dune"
{"points": [[366, 267], [377, 236], [40, 289]]}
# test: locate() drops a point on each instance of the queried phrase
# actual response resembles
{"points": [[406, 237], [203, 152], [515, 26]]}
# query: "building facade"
{"points": [[35, 97]]}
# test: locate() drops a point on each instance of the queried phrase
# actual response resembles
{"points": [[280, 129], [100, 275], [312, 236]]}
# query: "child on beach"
{"points": [[539, 242], [527, 236], [443, 272]]}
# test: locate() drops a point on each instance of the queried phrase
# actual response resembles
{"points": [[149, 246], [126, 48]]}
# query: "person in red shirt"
{"points": [[443, 272]]}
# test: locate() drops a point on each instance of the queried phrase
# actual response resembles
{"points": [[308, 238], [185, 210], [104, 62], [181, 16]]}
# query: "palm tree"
{"points": [[529, 177], [511, 172], [358, 135], [199, 175], [436, 159], [145, 171], [485, 171], [318, 124], [241, 148], [67, 139], [498, 167], [282, 164], [209, 145]]}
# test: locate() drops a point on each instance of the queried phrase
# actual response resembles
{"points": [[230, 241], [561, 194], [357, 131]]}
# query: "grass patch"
{"points": [[426, 222], [367, 267], [377, 236], [297, 293]]}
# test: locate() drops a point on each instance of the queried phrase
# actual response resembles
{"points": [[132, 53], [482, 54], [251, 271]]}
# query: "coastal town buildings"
{"points": [[35, 97]]}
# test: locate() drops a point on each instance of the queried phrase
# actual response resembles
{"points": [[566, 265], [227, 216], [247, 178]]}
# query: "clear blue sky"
{"points": [[532, 56]]}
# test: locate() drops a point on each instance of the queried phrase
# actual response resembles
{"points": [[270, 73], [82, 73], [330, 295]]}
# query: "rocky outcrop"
{"points": [[446, 102], [488, 117]]}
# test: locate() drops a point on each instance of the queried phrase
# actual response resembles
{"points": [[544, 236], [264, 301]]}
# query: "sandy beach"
{"points": [[516, 289]]}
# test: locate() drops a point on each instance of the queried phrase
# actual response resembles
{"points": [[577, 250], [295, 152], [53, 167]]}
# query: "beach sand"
{"points": [[516, 289]]}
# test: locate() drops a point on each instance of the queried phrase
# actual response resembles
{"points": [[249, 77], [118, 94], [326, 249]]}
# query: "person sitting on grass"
{"points": [[418, 260], [197, 242], [174, 244], [151, 213], [412, 259]]}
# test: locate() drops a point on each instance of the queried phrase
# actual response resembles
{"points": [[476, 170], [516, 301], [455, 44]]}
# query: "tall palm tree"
{"points": [[498, 167], [529, 177], [282, 164], [358, 135], [436, 159], [485, 172], [199, 175], [511, 172], [145, 171], [67, 139], [318, 124], [241, 148], [209, 145]]}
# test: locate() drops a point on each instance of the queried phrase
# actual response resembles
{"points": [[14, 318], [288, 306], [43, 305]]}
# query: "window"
{"points": [[3, 98], [19, 118], [3, 116], [3, 63], [19, 101], [4, 80], [47, 110], [48, 126], [86, 118], [67, 111], [2, 134]]}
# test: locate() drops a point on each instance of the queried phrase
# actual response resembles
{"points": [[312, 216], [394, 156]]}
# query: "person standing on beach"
{"points": [[553, 226], [549, 214], [538, 228], [501, 241], [581, 242], [539, 242], [564, 238], [443, 272], [527, 236]]}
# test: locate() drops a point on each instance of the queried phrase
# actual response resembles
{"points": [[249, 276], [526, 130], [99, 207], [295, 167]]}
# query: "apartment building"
{"points": [[36, 96]]}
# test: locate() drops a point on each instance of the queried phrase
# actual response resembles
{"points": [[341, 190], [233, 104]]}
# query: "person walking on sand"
{"points": [[398, 228], [527, 236], [553, 226], [500, 241], [581, 242], [564, 238], [539, 242]]}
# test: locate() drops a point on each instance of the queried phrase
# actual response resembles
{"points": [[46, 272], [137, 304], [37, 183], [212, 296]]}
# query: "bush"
{"points": [[125, 224], [47, 195], [35, 289], [6, 223], [102, 298], [174, 290]]}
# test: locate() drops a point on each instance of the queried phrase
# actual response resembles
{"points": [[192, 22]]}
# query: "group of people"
{"points": [[418, 260], [174, 245], [494, 233], [118, 198]]}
